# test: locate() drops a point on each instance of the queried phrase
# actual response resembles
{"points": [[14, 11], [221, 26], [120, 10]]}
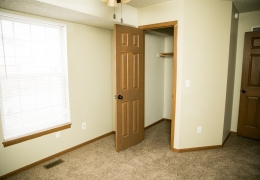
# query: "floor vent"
{"points": [[55, 163]]}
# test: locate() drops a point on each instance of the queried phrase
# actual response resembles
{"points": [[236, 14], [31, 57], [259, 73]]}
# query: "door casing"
{"points": [[173, 24]]}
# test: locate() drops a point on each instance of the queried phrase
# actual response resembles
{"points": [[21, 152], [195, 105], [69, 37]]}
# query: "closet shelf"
{"points": [[164, 54]]}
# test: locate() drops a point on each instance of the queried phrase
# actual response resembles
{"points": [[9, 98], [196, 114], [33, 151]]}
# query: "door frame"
{"points": [[173, 24]]}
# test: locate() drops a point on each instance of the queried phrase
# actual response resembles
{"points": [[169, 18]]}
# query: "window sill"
{"points": [[38, 134]]}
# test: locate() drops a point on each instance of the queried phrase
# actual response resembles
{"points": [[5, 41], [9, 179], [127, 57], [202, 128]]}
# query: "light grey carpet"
{"points": [[152, 159]]}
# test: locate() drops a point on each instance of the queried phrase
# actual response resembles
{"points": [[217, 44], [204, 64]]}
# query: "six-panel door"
{"points": [[129, 67], [249, 110]]}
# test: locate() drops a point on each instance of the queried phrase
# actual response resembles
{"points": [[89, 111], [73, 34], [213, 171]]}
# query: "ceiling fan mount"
{"points": [[114, 3]]}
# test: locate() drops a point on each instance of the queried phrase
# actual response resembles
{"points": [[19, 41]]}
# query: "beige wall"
{"points": [[203, 32], [231, 73], [164, 12], [158, 78], [90, 90], [154, 78], [168, 69], [206, 52], [245, 23]]}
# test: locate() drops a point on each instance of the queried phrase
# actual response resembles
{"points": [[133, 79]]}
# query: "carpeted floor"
{"points": [[152, 159]]}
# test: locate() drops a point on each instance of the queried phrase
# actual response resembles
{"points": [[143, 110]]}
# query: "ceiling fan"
{"points": [[114, 3]]}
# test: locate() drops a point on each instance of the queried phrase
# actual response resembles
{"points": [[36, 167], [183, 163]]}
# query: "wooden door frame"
{"points": [[173, 24]]}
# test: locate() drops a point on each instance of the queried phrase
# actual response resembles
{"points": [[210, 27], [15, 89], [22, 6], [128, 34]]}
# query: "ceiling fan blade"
{"points": [[111, 3], [125, 1], [114, 2]]}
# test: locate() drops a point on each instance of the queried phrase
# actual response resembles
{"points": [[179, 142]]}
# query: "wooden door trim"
{"points": [[173, 24], [159, 25]]}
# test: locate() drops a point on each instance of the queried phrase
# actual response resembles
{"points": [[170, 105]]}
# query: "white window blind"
{"points": [[33, 77]]}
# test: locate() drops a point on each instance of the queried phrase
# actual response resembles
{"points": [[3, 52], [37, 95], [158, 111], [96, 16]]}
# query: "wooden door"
{"points": [[129, 72], [249, 109]]}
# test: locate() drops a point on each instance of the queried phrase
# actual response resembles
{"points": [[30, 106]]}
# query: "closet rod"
{"points": [[164, 54]]}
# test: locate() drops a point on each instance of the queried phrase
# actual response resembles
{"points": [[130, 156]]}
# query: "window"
{"points": [[33, 78]]}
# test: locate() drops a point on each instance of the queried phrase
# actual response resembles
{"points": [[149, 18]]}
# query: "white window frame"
{"points": [[65, 58]]}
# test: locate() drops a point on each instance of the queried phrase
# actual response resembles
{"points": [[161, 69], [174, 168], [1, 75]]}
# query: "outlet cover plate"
{"points": [[199, 129], [84, 125], [57, 134], [187, 83]]}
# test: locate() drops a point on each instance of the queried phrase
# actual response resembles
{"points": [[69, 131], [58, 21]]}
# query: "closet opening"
{"points": [[160, 74]]}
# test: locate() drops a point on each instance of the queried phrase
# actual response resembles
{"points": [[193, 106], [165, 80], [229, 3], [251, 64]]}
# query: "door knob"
{"points": [[120, 97], [244, 91]]}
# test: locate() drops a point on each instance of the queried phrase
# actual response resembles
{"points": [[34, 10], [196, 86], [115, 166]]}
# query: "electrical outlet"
{"points": [[84, 125], [199, 129], [57, 134], [187, 83]]}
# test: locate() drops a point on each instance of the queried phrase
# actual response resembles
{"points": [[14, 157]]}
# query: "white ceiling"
{"points": [[143, 3], [241, 5], [55, 12], [247, 5]]}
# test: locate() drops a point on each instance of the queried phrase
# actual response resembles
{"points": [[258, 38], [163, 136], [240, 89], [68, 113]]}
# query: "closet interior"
{"points": [[158, 74]]}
